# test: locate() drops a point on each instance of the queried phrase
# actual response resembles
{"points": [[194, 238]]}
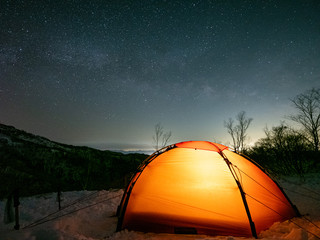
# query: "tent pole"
{"points": [[243, 195], [126, 195]]}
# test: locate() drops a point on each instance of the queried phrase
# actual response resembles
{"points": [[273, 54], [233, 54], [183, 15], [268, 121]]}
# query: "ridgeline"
{"points": [[33, 165]]}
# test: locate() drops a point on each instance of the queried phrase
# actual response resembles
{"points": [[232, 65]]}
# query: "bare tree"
{"points": [[160, 138], [243, 124], [233, 131], [238, 132], [308, 106]]}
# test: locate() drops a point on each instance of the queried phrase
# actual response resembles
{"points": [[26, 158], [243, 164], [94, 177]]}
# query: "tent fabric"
{"points": [[195, 187], [203, 145]]}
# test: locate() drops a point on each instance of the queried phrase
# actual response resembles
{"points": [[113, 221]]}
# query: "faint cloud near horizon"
{"points": [[121, 147]]}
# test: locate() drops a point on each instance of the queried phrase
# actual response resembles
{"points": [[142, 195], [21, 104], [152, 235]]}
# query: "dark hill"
{"points": [[34, 165]]}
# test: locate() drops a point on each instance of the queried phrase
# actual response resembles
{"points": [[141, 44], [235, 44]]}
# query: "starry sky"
{"points": [[103, 73]]}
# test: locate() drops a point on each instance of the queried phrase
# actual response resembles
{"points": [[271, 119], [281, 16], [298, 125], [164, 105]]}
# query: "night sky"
{"points": [[103, 73]]}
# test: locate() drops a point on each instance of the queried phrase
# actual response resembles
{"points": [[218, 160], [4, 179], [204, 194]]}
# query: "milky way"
{"points": [[103, 73]]}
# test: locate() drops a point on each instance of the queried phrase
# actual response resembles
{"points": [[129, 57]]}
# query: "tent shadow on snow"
{"points": [[200, 187]]}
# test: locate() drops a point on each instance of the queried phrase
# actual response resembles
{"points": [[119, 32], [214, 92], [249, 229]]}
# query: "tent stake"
{"points": [[16, 204]]}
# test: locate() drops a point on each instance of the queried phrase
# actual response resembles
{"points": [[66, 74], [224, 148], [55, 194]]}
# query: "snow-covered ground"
{"points": [[91, 216]]}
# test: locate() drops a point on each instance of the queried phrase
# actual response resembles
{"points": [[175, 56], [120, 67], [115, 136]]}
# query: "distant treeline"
{"points": [[285, 151], [36, 168]]}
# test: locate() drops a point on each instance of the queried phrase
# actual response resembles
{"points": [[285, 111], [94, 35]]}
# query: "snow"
{"points": [[88, 215]]}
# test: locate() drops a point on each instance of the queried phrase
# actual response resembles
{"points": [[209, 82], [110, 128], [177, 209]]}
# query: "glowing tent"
{"points": [[202, 187]]}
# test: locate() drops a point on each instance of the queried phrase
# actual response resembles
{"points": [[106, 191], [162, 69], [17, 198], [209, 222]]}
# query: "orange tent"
{"points": [[200, 187]]}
